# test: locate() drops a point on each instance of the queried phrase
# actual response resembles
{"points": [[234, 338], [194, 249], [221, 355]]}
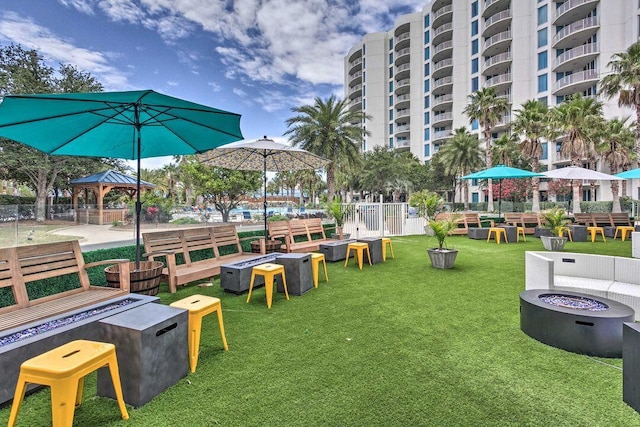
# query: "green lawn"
{"points": [[19, 235], [396, 344]]}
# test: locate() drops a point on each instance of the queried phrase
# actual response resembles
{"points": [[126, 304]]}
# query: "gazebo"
{"points": [[100, 184]]}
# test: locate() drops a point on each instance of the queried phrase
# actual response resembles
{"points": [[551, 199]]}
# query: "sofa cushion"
{"points": [[596, 287], [626, 293]]}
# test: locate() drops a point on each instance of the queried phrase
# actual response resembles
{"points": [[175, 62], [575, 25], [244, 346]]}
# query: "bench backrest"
{"points": [[44, 261], [10, 277], [621, 218], [582, 218], [226, 236], [298, 228], [160, 241], [601, 219], [314, 227], [530, 219], [196, 239], [278, 229], [513, 218]]}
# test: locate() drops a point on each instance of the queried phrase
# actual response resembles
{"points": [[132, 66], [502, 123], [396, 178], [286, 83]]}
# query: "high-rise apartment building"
{"points": [[414, 80]]}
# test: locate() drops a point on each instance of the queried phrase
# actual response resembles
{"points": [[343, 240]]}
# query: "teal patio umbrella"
{"points": [[501, 172], [127, 125], [630, 174]]}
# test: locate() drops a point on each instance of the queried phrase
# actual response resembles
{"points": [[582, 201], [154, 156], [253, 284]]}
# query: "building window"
{"points": [[542, 15], [391, 114], [426, 85], [364, 77], [426, 21], [474, 84], [474, 125], [544, 100], [390, 100], [364, 104], [427, 136], [542, 83], [474, 9], [391, 43], [474, 28], [391, 86], [436, 148], [474, 47], [390, 72], [390, 142], [545, 151], [364, 63], [427, 149], [427, 53], [426, 118], [390, 128], [542, 60], [426, 102], [558, 146], [542, 37], [427, 37], [426, 69], [474, 197], [391, 58], [474, 65]]}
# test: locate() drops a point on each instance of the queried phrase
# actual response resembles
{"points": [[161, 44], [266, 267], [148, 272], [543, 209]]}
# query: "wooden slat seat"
{"points": [[298, 235]]}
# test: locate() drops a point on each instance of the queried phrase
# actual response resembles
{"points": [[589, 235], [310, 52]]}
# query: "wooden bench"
{"points": [[461, 228], [528, 221], [472, 220], [24, 265], [298, 235], [207, 240]]}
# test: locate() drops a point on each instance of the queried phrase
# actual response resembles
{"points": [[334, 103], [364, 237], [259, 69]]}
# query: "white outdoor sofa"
{"points": [[612, 277]]}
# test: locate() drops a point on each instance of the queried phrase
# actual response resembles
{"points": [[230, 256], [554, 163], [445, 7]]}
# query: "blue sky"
{"points": [[253, 57]]}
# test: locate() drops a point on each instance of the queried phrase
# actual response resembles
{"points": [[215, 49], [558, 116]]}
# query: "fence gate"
{"points": [[382, 219]]}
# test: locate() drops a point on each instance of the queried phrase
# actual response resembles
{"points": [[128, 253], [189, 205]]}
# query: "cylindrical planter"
{"points": [[145, 280], [553, 243], [269, 245], [444, 258]]}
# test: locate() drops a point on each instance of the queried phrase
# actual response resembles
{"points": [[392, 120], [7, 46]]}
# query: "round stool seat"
{"points": [[268, 271]]}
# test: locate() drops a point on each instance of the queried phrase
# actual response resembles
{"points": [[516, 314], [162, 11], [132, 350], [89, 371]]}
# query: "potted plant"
{"points": [[442, 257], [428, 204], [338, 211], [556, 221]]}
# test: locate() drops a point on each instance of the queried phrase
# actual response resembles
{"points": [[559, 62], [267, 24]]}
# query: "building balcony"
{"points": [[356, 104], [402, 101], [442, 101], [355, 91], [403, 144], [355, 55], [491, 7], [576, 82], [402, 86], [403, 56], [355, 78], [402, 41], [403, 115], [442, 119], [441, 85], [499, 82], [442, 33], [497, 23], [576, 34], [572, 10], [497, 43], [506, 96], [355, 65], [442, 15], [437, 4], [497, 64], [441, 136], [576, 58], [403, 71], [503, 123], [441, 51], [442, 68]]}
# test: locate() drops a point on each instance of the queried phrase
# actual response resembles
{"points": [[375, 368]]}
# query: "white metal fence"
{"points": [[382, 219]]}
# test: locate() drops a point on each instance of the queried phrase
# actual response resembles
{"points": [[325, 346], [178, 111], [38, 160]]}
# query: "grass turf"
{"points": [[396, 344]]}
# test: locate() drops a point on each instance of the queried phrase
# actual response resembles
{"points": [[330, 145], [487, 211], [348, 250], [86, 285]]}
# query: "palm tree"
{"points": [[615, 148], [505, 150], [531, 123], [488, 109], [578, 120], [624, 81], [460, 156], [329, 129]]}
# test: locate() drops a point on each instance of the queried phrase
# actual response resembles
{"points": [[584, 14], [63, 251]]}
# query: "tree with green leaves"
{"points": [[531, 124], [578, 121], [615, 148], [222, 187], [25, 72], [624, 82], [331, 130], [460, 156], [488, 109]]}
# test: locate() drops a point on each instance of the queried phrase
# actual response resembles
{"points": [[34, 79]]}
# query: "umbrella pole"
{"points": [[264, 202], [500, 199], [138, 203]]}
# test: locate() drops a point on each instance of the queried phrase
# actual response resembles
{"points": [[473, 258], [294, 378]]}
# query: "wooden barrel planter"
{"points": [[145, 280], [270, 246]]}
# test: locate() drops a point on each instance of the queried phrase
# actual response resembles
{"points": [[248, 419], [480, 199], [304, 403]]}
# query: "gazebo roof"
{"points": [[110, 177]]}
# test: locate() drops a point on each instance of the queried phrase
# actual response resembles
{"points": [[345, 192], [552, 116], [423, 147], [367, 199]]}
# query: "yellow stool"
{"points": [[497, 232], [625, 230], [594, 231], [316, 259], [519, 231], [568, 230], [387, 241], [63, 369], [199, 306], [358, 248], [269, 271]]}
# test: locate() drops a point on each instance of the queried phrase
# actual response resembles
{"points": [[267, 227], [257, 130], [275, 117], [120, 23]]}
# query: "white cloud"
{"points": [[80, 5], [172, 83], [19, 30], [239, 92], [215, 86]]}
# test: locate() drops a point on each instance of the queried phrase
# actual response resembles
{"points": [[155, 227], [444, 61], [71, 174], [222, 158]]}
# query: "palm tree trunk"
{"points": [[465, 189], [535, 186], [638, 130], [615, 187], [331, 182], [576, 196]]}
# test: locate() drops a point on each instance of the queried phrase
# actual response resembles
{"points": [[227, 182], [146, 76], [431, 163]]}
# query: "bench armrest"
{"points": [[106, 261], [488, 221]]}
